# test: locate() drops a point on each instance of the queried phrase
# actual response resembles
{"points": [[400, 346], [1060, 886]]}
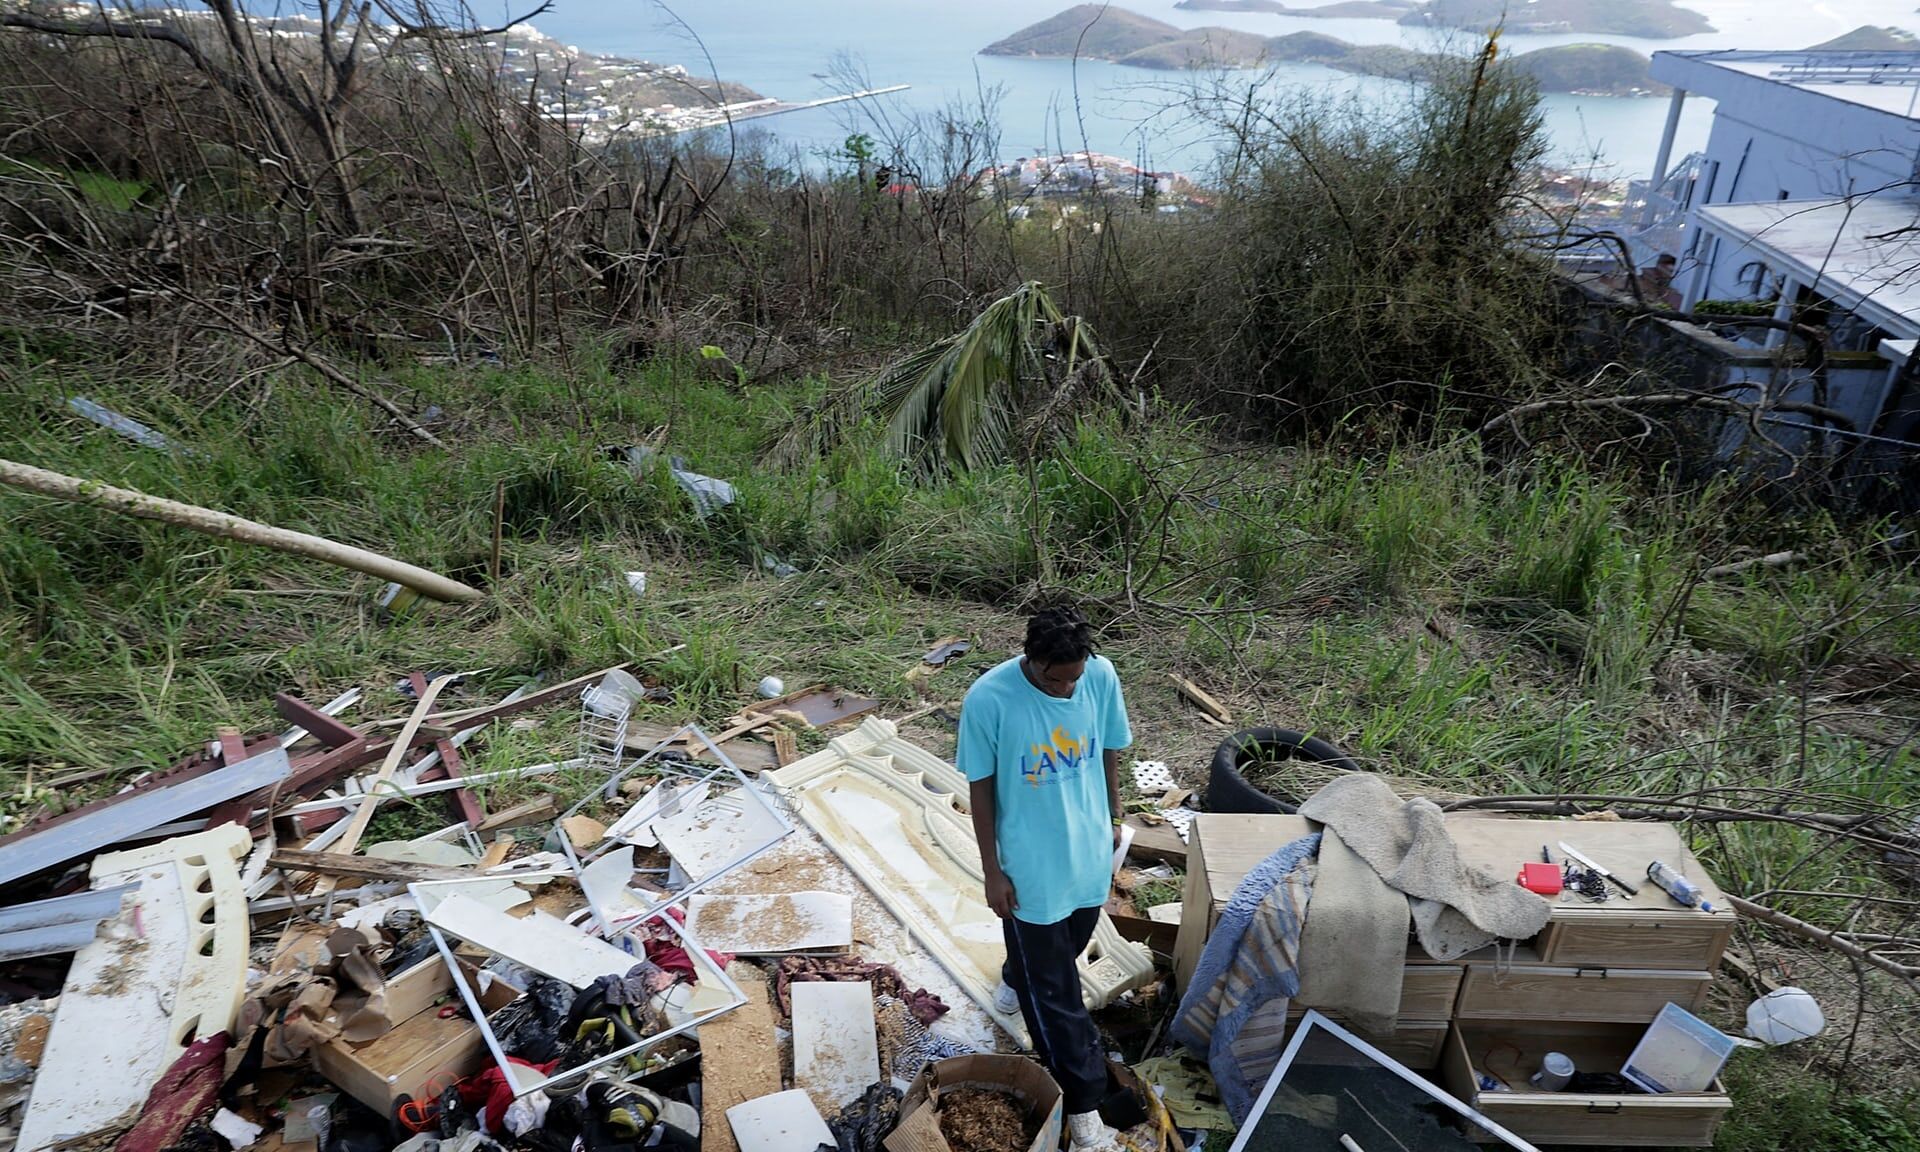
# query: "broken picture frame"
{"points": [[1333, 1092]]}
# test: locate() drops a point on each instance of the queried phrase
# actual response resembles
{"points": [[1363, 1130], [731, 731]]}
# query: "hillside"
{"points": [[1603, 69], [1871, 38], [1652, 19], [1092, 30], [1128, 38], [1338, 10]]}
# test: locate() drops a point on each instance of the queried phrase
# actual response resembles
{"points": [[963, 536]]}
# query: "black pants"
{"points": [[1041, 968]]}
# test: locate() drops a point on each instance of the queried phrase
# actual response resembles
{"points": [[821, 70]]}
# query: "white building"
{"points": [[1806, 200], [1793, 126]]}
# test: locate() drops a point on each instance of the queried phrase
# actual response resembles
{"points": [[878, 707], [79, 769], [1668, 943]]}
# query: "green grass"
{"points": [[1528, 627]]}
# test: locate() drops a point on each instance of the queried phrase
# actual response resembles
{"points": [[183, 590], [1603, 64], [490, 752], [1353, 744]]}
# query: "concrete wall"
{"points": [[1687, 356]]}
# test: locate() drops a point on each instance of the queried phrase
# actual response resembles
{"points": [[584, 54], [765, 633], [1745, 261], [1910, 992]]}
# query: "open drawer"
{"points": [[1511, 1052]]}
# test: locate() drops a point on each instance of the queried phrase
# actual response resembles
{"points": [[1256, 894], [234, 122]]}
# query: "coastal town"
{"points": [[602, 96]]}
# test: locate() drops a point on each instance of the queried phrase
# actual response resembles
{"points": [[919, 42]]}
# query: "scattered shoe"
{"points": [[1005, 1000], [1090, 1134]]}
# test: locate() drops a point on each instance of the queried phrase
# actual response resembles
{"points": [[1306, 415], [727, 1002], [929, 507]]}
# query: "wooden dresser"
{"points": [[1586, 986]]}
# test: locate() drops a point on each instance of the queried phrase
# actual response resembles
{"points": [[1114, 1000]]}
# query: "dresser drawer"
{"points": [[1552, 992]]}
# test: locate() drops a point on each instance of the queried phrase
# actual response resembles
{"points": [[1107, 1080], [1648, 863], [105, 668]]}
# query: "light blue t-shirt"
{"points": [[1054, 825]]}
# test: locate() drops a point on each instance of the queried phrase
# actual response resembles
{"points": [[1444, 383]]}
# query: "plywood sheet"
{"points": [[773, 923], [835, 1053], [739, 1059]]}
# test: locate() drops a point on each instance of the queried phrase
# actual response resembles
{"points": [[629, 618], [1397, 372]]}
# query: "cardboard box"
{"points": [[1028, 1082], [424, 1053]]}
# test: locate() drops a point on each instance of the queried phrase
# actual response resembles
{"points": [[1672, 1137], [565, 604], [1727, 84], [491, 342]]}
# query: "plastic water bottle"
{"points": [[1683, 890]]}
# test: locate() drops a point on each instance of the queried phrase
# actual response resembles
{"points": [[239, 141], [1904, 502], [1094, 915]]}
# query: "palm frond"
{"points": [[955, 403]]}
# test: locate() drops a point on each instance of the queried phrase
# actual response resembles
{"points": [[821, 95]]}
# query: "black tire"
{"points": [[1229, 791]]}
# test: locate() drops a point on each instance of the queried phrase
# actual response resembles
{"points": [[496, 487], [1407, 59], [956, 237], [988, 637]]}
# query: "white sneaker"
{"points": [[1090, 1134], [1005, 1000]]}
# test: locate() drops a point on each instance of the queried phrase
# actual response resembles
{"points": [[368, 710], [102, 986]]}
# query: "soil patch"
{"points": [[982, 1120]]}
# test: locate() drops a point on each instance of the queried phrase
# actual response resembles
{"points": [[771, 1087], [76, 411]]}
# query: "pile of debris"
{"points": [[216, 956], [718, 943]]}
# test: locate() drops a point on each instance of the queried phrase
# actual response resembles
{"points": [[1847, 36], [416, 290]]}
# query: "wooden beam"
{"points": [[466, 806], [1199, 698], [332, 864], [363, 812], [532, 812]]}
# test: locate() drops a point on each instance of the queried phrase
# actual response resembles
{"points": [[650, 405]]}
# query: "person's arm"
{"points": [[1114, 802], [1000, 895], [978, 760]]}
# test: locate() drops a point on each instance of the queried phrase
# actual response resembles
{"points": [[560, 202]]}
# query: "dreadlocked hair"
{"points": [[1058, 636]]}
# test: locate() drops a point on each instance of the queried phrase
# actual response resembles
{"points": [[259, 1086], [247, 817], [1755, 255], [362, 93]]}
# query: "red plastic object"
{"points": [[1541, 878]]}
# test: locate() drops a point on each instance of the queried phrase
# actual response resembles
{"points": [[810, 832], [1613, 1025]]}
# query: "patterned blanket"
{"points": [[1252, 957]]}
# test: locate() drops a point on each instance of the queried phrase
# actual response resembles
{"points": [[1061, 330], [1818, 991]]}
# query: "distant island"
{"points": [[1339, 10], [1100, 33], [1868, 38], [1648, 19]]}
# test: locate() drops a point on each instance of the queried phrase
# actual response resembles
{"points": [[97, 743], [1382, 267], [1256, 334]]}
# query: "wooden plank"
{"points": [[1199, 698], [739, 1059], [363, 812], [466, 807], [497, 852], [532, 812], [462, 719], [1156, 842], [362, 867]]}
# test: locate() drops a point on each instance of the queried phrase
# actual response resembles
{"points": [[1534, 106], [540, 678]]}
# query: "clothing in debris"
{"points": [[862, 1125], [1042, 968], [925, 1006], [1353, 950], [533, 1027], [1187, 1089], [907, 1045], [1251, 958], [1052, 815], [1456, 908], [664, 949], [490, 1096]]}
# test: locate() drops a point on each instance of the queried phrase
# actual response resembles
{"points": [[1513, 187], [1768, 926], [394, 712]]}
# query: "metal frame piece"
{"points": [[723, 772], [1313, 1020], [139, 812], [62, 924], [519, 1077]]}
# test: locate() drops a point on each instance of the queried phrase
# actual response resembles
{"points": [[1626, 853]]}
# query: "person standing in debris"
{"points": [[1040, 742]]}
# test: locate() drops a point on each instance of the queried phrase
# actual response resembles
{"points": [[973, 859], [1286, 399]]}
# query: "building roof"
{"points": [[1864, 253], [1883, 81]]}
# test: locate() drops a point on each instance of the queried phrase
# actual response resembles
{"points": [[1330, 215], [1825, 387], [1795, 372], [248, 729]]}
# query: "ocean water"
{"points": [[791, 49]]}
